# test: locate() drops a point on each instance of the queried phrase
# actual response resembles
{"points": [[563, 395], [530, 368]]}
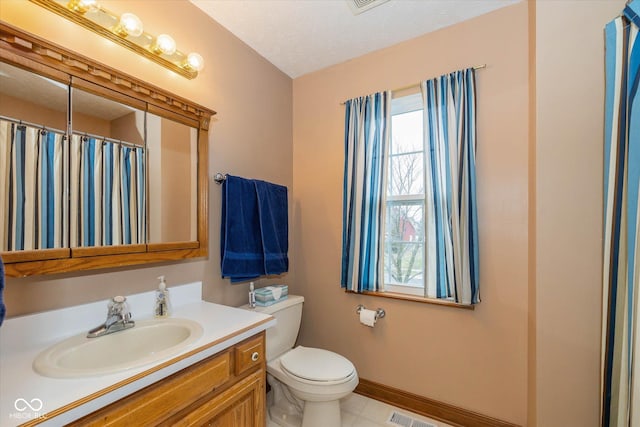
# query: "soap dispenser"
{"points": [[162, 299]]}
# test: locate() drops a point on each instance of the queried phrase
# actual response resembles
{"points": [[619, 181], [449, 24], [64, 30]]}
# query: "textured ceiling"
{"points": [[301, 36]]}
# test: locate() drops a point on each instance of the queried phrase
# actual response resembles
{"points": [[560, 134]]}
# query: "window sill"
{"points": [[405, 297]]}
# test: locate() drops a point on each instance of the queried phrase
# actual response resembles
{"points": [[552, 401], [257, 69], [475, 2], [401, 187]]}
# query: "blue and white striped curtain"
{"points": [[33, 205], [451, 222], [107, 193], [367, 127], [620, 361]]}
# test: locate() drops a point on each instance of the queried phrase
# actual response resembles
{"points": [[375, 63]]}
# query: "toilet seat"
{"points": [[314, 365]]}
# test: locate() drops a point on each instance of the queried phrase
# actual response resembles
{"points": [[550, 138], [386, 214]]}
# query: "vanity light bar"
{"points": [[127, 30]]}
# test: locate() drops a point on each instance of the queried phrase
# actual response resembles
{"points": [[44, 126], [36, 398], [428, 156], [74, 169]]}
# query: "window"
{"points": [[410, 223], [404, 256]]}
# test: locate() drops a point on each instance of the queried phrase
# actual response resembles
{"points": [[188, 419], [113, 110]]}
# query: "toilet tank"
{"points": [[282, 336]]}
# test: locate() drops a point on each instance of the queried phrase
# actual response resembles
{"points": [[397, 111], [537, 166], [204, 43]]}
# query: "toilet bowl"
{"points": [[307, 383], [318, 378]]}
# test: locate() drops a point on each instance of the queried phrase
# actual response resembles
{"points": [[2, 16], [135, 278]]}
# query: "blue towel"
{"points": [[274, 225], [254, 236], [240, 238], [3, 309]]}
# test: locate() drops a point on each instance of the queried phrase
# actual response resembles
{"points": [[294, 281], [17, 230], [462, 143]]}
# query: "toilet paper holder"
{"points": [[379, 312]]}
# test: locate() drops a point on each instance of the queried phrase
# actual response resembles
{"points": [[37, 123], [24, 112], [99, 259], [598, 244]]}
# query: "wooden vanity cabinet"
{"points": [[224, 390]]}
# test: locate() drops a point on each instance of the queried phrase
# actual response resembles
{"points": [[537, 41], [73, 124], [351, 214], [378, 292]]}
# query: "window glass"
{"points": [[404, 257]]}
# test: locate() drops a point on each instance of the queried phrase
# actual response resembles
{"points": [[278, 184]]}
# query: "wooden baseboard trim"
{"points": [[427, 407]]}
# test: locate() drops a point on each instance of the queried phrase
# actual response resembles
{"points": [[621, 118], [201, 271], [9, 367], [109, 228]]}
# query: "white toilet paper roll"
{"points": [[368, 317]]}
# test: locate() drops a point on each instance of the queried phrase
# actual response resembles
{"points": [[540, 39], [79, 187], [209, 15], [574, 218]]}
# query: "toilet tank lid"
{"points": [[287, 302]]}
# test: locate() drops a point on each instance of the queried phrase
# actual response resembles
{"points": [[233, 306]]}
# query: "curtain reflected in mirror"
{"points": [[33, 161], [33, 166], [107, 172], [90, 188], [173, 166]]}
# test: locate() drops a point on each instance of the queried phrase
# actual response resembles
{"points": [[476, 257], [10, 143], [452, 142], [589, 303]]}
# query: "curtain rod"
{"points": [[38, 126], [477, 67], [105, 139], [33, 125]]}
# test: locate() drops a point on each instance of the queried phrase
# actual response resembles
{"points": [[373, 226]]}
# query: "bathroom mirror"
{"points": [[33, 126], [125, 163], [107, 183], [173, 185]]}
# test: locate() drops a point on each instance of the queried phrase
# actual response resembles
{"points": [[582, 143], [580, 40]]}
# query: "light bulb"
{"points": [[164, 44], [194, 62], [82, 6], [130, 25]]}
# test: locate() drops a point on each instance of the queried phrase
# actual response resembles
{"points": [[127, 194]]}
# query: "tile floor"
{"points": [[360, 411]]}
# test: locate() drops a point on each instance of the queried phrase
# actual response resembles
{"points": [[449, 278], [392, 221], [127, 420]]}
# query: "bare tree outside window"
{"points": [[404, 232]]}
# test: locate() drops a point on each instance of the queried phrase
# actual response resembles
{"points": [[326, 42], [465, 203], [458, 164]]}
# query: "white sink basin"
{"points": [[147, 342]]}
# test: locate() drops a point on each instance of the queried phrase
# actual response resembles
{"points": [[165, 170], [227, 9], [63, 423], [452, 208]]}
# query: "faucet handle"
{"points": [[118, 318], [118, 305]]}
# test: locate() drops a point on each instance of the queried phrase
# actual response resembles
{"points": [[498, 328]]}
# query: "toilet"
{"points": [[307, 383]]}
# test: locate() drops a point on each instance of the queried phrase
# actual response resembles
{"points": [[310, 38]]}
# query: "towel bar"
{"points": [[379, 312]]}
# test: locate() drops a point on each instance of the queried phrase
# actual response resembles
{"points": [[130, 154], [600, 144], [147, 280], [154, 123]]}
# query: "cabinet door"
{"points": [[242, 405], [152, 405], [239, 414]]}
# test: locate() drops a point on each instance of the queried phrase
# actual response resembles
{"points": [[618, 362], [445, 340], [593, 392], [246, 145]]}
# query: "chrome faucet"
{"points": [[118, 319]]}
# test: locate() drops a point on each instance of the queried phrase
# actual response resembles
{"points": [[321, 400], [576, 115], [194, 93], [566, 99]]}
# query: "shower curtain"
{"points": [[106, 200], [107, 193], [33, 207], [620, 362]]}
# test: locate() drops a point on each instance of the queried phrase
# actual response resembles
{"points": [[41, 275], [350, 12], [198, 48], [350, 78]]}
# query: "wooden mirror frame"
{"points": [[31, 53]]}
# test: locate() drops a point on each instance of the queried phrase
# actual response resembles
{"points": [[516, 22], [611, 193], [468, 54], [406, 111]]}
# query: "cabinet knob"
{"points": [[255, 356]]}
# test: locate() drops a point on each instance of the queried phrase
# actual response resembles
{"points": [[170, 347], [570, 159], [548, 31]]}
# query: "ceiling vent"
{"points": [[359, 6]]}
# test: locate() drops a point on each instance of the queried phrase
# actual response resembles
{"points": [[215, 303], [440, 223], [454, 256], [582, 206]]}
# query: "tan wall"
{"points": [[531, 318], [250, 136], [17, 108], [37, 114], [176, 180], [570, 116], [473, 359], [125, 128], [154, 155]]}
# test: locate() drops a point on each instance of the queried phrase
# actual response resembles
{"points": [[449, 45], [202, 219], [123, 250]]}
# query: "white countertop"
{"points": [[26, 395]]}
